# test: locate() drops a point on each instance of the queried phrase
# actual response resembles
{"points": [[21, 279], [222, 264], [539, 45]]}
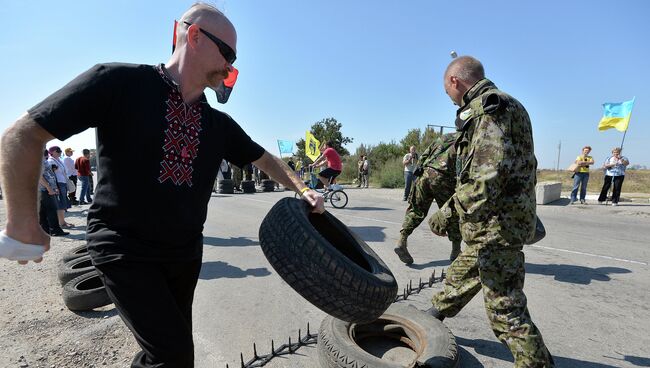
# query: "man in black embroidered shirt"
{"points": [[149, 254]]}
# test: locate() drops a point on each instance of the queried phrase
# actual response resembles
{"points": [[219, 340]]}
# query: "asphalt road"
{"points": [[587, 283]]}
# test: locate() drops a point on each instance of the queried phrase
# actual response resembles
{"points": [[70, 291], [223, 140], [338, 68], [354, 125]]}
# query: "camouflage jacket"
{"points": [[439, 159], [495, 170]]}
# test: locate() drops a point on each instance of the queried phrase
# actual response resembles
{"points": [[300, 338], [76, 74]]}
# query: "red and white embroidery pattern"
{"points": [[181, 142]]}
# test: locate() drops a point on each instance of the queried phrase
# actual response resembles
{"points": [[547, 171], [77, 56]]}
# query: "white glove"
{"points": [[14, 250]]}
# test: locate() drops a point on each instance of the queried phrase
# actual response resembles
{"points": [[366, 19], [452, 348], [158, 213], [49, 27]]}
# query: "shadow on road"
{"points": [[499, 351], [97, 313], [369, 233], [422, 266], [574, 274], [218, 269], [229, 242], [559, 202], [639, 361], [369, 208]]}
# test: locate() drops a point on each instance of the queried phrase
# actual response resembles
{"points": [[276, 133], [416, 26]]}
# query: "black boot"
{"points": [[404, 255]]}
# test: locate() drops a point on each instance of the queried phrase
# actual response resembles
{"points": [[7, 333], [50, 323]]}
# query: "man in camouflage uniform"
{"points": [[237, 177], [495, 202], [435, 179]]}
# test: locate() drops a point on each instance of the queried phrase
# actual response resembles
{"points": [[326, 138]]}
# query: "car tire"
{"points": [[75, 252], [75, 267], [431, 343], [248, 186], [85, 292], [268, 185], [320, 258], [225, 186]]}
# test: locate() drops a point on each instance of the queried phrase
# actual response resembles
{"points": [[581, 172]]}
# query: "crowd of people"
{"points": [[58, 187]]}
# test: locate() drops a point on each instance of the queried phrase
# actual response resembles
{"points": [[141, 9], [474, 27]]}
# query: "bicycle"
{"points": [[335, 195]]}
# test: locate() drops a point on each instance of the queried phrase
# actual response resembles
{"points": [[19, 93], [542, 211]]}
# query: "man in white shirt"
{"points": [[68, 162], [410, 162]]}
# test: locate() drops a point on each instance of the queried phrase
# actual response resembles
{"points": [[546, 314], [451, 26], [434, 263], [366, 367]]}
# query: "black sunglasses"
{"points": [[226, 51]]}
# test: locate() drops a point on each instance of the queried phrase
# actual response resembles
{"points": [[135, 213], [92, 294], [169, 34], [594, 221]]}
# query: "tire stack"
{"points": [[248, 186], [225, 186], [83, 290], [268, 185]]}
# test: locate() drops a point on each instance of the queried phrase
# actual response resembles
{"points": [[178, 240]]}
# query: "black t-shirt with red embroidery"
{"points": [[157, 159]]}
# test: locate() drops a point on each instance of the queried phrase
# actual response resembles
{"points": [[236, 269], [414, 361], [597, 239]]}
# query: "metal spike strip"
{"points": [[311, 339]]}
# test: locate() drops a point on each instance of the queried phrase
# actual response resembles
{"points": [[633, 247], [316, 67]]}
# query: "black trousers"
{"points": [[73, 195], [155, 302], [47, 213], [616, 192]]}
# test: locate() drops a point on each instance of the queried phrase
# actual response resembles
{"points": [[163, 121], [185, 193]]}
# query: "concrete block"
{"points": [[548, 191]]}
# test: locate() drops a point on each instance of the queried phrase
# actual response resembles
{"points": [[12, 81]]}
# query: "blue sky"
{"points": [[375, 66]]}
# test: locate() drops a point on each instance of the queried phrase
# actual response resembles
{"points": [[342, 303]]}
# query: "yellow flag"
{"points": [[311, 146]]}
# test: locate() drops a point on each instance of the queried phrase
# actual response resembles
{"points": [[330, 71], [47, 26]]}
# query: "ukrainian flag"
{"points": [[616, 115]]}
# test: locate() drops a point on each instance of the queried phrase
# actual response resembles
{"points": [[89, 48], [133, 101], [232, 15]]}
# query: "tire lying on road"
{"points": [[73, 268], [75, 252], [320, 258], [423, 339], [268, 185], [248, 186], [85, 292], [225, 186]]}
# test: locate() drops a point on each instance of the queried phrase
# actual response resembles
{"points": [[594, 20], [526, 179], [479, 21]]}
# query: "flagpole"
{"points": [[624, 133]]}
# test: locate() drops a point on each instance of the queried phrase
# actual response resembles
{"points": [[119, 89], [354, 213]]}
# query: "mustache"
{"points": [[221, 74]]}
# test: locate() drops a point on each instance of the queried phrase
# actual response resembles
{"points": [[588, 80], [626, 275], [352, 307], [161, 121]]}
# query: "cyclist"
{"points": [[334, 164]]}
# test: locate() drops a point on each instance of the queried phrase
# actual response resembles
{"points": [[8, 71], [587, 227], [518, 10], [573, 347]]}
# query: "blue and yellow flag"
{"points": [[616, 115], [312, 146]]}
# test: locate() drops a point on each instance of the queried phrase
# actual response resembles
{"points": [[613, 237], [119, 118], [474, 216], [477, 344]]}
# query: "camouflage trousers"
{"points": [[424, 191], [237, 176], [500, 273]]}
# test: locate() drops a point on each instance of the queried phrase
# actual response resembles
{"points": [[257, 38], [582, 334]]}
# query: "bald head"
{"points": [[466, 68], [207, 17], [461, 74]]}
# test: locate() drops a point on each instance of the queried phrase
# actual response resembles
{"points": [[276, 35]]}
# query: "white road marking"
{"points": [[531, 245], [588, 254]]}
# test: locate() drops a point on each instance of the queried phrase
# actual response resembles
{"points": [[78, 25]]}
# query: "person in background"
{"points": [[614, 173], [360, 171], [435, 179], [72, 174], [82, 164], [48, 191], [62, 182], [581, 177], [330, 157], [291, 164], [410, 162], [91, 180], [365, 172]]}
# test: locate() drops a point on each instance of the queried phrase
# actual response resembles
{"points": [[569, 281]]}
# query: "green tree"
{"points": [[327, 129], [412, 138]]}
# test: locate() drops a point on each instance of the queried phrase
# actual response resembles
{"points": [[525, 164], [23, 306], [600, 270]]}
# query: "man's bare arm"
{"points": [[282, 173], [21, 152]]}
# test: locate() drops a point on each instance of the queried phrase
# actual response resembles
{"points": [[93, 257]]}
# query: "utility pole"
{"points": [[559, 149], [557, 167]]}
